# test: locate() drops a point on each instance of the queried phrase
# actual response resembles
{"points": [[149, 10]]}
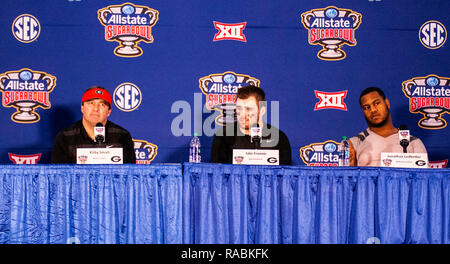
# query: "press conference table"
{"points": [[217, 203]]}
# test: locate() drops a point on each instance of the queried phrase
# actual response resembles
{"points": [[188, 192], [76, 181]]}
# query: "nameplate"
{"points": [[256, 156], [404, 160], [99, 156]]}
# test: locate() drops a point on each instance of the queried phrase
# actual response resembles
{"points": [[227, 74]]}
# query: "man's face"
{"points": [[375, 109], [247, 112], [95, 111]]}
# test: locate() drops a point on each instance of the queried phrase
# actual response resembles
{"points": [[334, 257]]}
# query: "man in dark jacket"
{"points": [[249, 111], [96, 108]]}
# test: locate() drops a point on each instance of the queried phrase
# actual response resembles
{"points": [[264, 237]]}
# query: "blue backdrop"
{"points": [[185, 46]]}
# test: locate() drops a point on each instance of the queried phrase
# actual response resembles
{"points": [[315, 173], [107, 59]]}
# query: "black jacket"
{"points": [[68, 140], [230, 137]]}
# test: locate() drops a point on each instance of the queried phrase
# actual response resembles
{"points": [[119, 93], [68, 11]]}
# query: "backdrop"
{"points": [[174, 66]]}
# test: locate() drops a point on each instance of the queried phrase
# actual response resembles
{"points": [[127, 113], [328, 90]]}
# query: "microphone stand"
{"points": [[99, 140], [256, 142], [404, 144]]}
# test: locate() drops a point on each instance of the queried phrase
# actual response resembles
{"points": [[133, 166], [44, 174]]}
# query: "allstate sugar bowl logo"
{"points": [[127, 97], [331, 27], [145, 151], [128, 24], [321, 154], [387, 162], [26, 28], [221, 93], [432, 34], [26, 90], [430, 96]]}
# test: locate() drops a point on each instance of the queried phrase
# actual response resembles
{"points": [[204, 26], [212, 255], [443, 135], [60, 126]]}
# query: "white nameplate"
{"points": [[99, 156], [256, 156], [404, 160]]}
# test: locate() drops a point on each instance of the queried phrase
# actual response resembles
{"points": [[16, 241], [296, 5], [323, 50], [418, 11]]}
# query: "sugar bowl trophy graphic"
{"points": [[26, 90], [145, 151], [430, 96], [321, 154], [221, 93], [331, 27], [128, 24]]}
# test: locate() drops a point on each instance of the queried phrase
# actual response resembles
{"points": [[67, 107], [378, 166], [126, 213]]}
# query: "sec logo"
{"points": [[433, 34], [26, 28], [127, 97]]}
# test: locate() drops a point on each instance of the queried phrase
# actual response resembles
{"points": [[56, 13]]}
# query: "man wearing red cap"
{"points": [[96, 108]]}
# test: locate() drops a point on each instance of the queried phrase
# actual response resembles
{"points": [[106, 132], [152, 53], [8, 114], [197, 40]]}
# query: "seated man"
{"points": [[381, 135], [249, 112], [96, 108]]}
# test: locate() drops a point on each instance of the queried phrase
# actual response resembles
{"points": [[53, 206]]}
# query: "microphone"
{"points": [[255, 135], [404, 136], [99, 133]]}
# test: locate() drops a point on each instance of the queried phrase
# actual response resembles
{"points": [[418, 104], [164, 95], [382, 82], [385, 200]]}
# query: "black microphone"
{"points": [[99, 133], [404, 136], [255, 135]]}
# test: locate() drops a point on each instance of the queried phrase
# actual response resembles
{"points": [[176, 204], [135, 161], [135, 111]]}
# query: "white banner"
{"points": [[256, 156], [99, 156], [404, 160]]}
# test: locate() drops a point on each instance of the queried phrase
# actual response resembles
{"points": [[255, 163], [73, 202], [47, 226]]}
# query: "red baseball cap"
{"points": [[97, 93]]}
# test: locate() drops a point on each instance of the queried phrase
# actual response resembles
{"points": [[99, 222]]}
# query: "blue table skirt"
{"points": [[216, 203]]}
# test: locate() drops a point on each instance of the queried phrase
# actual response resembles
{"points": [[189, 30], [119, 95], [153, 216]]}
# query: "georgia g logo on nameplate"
{"points": [[128, 24]]}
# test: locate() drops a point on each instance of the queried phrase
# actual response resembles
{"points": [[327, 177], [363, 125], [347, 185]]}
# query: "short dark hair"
{"points": [[251, 90], [369, 90]]}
